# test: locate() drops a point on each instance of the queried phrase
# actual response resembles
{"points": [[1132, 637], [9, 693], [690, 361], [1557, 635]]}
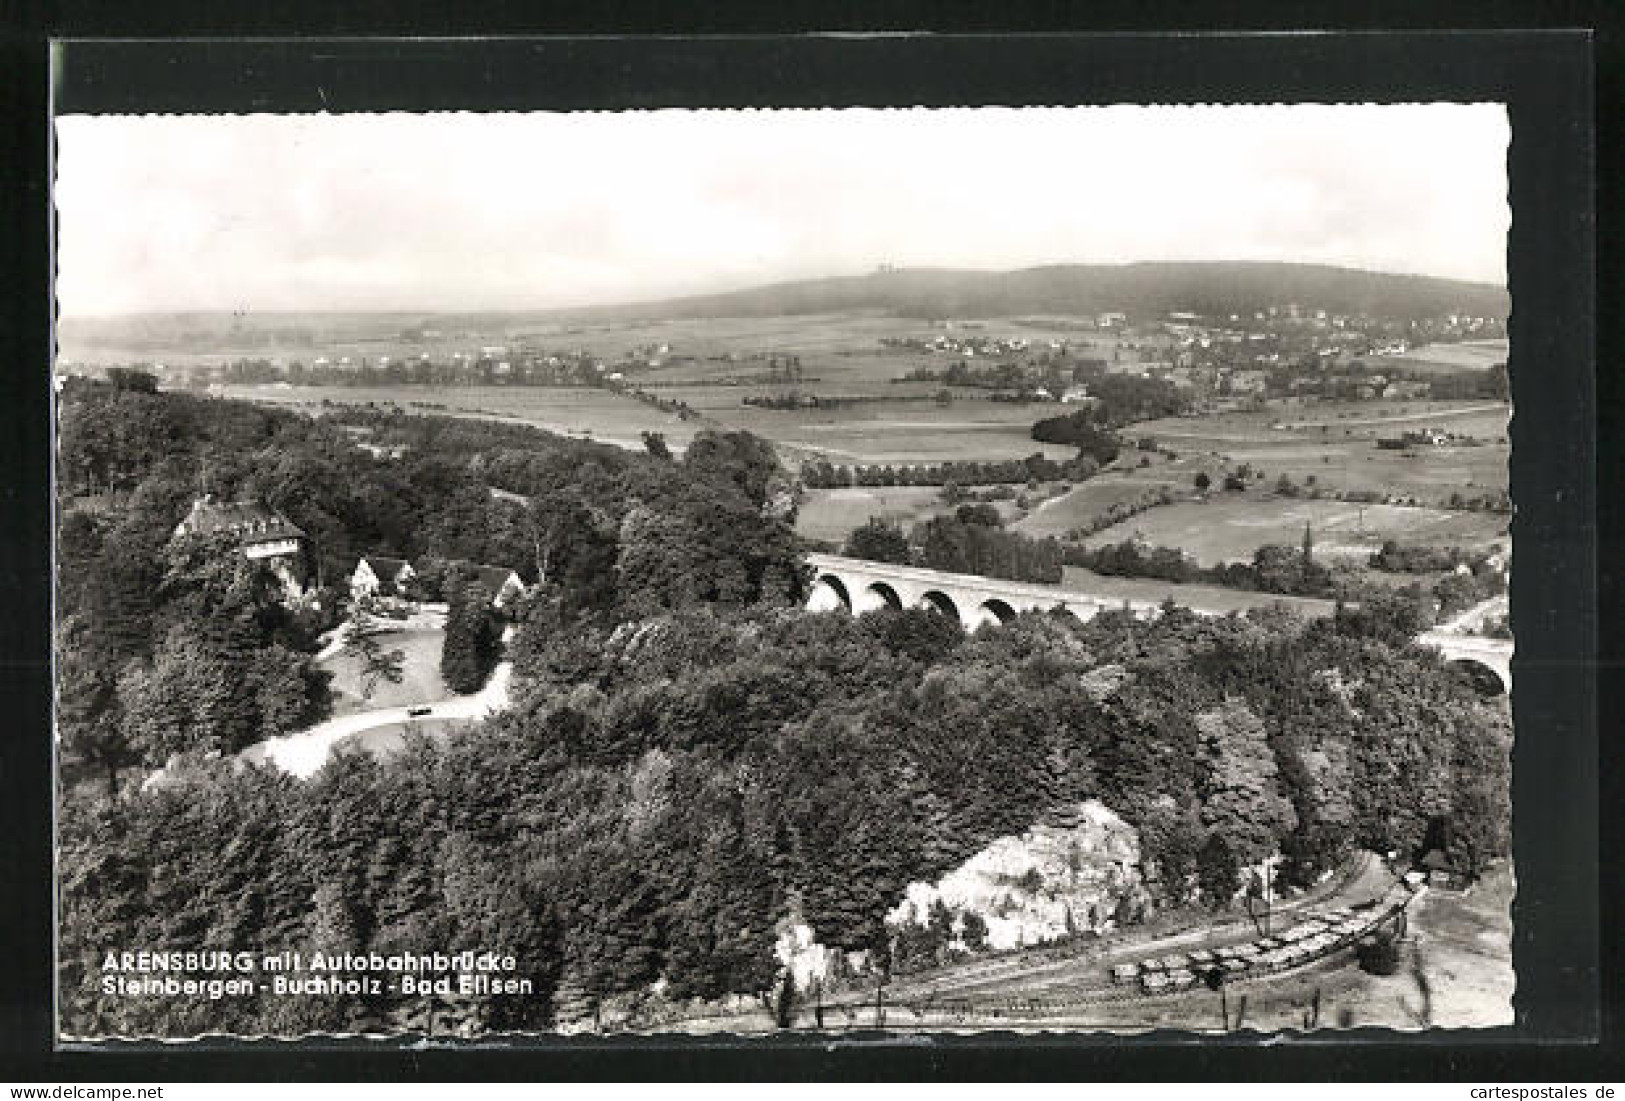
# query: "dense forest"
{"points": [[665, 791], [689, 758], [168, 645]]}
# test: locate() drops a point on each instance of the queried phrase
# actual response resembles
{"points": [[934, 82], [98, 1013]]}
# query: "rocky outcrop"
{"points": [[1049, 883]]}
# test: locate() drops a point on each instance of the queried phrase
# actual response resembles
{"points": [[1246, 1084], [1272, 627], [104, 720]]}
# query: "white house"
{"points": [[377, 574], [504, 585]]}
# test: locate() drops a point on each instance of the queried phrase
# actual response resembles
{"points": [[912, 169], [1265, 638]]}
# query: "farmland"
{"points": [[571, 411], [1229, 528], [1468, 354], [714, 365], [1335, 445]]}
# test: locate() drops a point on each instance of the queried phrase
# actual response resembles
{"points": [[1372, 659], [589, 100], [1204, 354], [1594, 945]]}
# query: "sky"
{"points": [[533, 211]]}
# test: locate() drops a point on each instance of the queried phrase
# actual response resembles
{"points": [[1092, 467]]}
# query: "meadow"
{"points": [[1210, 598], [1058, 516], [1230, 527], [832, 514], [1467, 355], [1335, 445], [420, 683]]}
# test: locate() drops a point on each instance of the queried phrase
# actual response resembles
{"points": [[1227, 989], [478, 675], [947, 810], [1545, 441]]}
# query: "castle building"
{"points": [[263, 534]]}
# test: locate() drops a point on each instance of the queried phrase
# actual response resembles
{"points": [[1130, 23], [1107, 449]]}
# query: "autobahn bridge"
{"points": [[858, 586]]}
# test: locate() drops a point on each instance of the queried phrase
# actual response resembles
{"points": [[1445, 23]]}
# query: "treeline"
{"points": [[1287, 571], [1118, 511], [665, 792], [971, 541], [1079, 430], [1294, 571], [572, 369], [1396, 557], [797, 399], [959, 472], [1121, 399]]}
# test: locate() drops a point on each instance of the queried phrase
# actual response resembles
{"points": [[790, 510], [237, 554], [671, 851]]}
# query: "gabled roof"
{"points": [[383, 566], [494, 577], [252, 521]]}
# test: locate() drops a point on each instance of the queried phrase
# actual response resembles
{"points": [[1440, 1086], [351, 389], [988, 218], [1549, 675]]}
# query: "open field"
{"points": [[1210, 598], [421, 681], [1336, 445], [831, 514], [568, 410], [1057, 516], [1229, 528], [1467, 355]]}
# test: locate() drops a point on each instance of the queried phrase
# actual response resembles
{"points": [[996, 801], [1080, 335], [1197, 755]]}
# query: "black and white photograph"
{"points": [[765, 573]]}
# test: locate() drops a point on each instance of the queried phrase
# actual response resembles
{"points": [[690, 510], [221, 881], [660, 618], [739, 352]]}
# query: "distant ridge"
{"points": [[1220, 288], [1214, 289]]}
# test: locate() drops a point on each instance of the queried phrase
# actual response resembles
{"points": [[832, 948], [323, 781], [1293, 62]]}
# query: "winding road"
{"points": [[302, 754]]}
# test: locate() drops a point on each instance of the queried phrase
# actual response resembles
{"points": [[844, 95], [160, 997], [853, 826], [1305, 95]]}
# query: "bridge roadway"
{"points": [[859, 586]]}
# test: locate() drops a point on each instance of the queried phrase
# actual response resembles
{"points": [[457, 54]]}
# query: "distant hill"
{"points": [[1211, 289], [1151, 288]]}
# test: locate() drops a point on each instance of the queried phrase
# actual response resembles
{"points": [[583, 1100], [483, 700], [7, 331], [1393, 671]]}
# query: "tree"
{"points": [[87, 715], [1202, 481], [470, 647], [1242, 802], [655, 444], [361, 642], [879, 540], [973, 930], [1217, 872], [983, 514], [747, 461]]}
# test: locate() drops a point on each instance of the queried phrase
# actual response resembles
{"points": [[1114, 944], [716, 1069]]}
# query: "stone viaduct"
{"points": [[858, 586]]}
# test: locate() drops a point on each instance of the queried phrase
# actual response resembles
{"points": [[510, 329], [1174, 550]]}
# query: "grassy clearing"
{"points": [[1231, 527], [1060, 515], [832, 513], [421, 682], [1208, 598]]}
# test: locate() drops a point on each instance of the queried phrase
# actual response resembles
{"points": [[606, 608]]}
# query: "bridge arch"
{"points": [[939, 601], [876, 596], [1484, 678], [829, 595], [992, 612]]}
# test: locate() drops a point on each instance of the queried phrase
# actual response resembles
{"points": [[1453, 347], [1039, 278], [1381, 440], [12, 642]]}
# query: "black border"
{"points": [[1545, 76]]}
